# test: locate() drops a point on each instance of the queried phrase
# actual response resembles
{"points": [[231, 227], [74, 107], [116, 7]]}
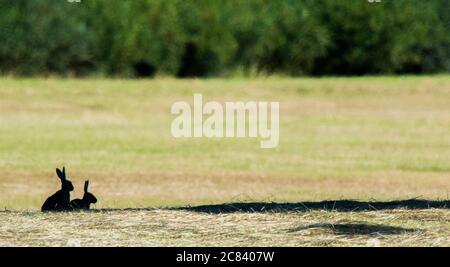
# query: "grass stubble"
{"points": [[162, 227]]}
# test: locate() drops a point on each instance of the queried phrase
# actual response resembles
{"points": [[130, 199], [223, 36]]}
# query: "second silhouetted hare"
{"points": [[86, 201], [60, 200]]}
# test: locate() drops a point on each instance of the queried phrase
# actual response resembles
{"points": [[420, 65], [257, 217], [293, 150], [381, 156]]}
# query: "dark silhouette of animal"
{"points": [[59, 201], [86, 201]]}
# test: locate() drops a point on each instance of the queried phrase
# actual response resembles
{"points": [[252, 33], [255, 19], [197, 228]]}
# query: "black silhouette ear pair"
{"points": [[61, 174]]}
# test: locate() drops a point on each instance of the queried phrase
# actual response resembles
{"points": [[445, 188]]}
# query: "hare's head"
{"points": [[88, 197], [66, 185]]}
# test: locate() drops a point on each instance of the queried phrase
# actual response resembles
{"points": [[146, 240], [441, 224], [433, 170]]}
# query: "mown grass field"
{"points": [[371, 138]]}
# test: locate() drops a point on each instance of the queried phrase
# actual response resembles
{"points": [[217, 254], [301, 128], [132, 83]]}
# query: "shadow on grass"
{"points": [[356, 229], [329, 205]]}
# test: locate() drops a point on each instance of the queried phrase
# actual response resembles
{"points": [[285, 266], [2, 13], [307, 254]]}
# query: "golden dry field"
{"points": [[367, 139]]}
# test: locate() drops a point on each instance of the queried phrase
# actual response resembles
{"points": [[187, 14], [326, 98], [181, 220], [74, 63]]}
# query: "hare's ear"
{"points": [[86, 184], [61, 174]]}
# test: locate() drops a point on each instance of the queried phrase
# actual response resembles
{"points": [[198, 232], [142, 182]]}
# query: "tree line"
{"points": [[129, 38]]}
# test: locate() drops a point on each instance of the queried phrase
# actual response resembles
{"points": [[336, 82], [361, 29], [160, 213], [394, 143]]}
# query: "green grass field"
{"points": [[370, 138]]}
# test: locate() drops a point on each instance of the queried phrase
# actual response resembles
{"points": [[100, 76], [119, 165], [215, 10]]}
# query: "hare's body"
{"points": [[85, 202], [60, 200], [80, 204]]}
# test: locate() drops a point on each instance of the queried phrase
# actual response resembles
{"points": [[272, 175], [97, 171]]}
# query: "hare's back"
{"points": [[51, 202], [77, 203]]}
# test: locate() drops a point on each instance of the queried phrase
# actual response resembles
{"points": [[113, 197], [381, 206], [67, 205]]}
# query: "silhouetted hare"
{"points": [[60, 200], [86, 201]]}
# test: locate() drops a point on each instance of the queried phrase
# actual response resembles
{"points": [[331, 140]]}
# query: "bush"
{"points": [[210, 38]]}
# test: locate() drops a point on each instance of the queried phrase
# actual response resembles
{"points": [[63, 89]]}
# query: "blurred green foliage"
{"points": [[223, 37]]}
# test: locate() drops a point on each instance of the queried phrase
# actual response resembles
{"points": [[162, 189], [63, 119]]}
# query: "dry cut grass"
{"points": [[164, 227]]}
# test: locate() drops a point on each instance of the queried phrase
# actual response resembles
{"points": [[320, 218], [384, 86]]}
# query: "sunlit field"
{"points": [[368, 139], [428, 227]]}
